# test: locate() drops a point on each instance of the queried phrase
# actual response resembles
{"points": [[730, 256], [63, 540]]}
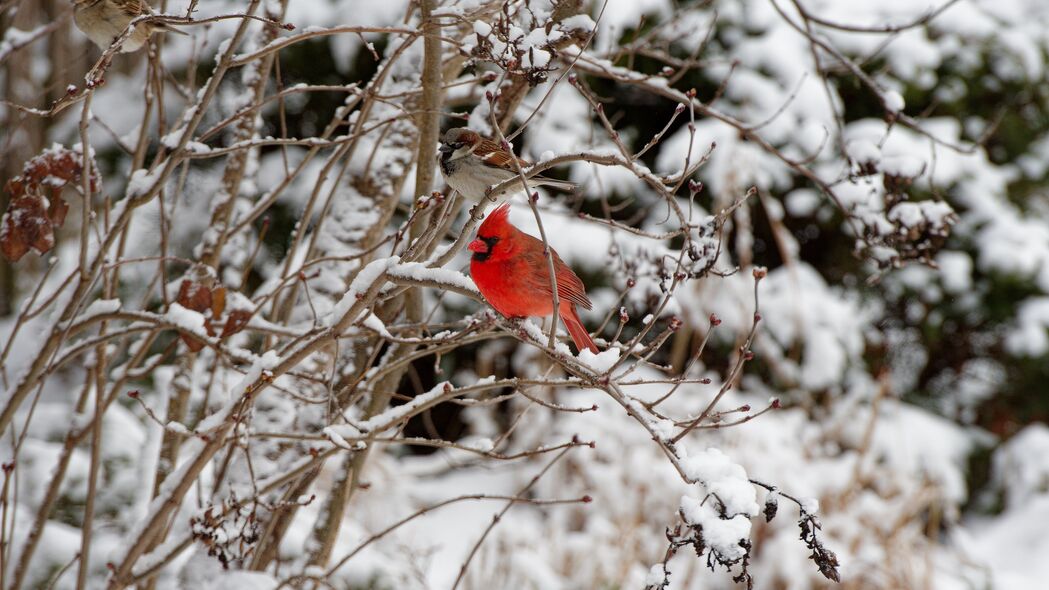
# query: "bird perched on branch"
{"points": [[471, 163], [509, 268], [103, 21]]}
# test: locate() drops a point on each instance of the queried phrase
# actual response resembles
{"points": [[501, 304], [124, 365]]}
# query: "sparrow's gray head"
{"points": [[457, 142]]}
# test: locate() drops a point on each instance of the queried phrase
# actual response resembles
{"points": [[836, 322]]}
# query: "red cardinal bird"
{"points": [[510, 270]]}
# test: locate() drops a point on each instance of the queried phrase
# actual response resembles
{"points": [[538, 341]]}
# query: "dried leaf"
{"points": [[218, 301], [31, 218], [238, 319], [195, 296], [26, 225]]}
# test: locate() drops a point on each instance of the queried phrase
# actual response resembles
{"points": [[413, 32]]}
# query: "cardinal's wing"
{"points": [[569, 287]]}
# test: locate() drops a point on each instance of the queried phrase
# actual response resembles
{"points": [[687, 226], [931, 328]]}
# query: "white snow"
{"points": [[101, 307], [893, 101], [722, 535], [421, 272], [392, 416], [723, 478], [140, 183], [185, 319], [600, 362], [579, 22], [364, 280]]}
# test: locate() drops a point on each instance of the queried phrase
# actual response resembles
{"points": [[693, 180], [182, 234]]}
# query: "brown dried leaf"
{"points": [[194, 296], [31, 219], [12, 243], [238, 319], [58, 210], [53, 169], [192, 343], [26, 225], [218, 301]]}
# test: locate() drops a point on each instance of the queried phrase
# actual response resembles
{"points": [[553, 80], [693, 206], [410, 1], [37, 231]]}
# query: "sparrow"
{"points": [[471, 163], [510, 270], [103, 21]]}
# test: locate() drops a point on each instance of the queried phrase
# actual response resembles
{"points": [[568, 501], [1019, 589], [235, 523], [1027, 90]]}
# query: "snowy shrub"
{"points": [[241, 348]]}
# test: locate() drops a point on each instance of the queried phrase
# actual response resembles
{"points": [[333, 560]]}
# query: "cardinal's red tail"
{"points": [[575, 328]]}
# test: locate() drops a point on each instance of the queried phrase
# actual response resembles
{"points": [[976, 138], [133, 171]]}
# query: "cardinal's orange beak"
{"points": [[478, 245]]}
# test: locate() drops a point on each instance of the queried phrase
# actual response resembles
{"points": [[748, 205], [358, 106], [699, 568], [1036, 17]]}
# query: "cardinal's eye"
{"points": [[491, 242]]}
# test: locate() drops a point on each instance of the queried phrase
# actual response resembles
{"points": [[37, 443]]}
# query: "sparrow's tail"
{"points": [[168, 28], [576, 330], [546, 181]]}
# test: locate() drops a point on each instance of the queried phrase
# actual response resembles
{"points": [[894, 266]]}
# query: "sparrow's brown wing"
{"points": [[133, 8], [136, 8], [494, 155]]}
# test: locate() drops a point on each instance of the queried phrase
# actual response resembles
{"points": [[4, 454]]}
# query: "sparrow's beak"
{"points": [[444, 153], [478, 245]]}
